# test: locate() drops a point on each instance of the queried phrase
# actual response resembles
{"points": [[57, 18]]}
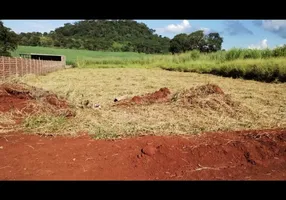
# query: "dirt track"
{"points": [[213, 156]]}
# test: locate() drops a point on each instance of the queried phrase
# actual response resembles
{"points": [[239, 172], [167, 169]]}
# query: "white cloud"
{"points": [[274, 25], [236, 27], [182, 27], [262, 45], [35, 25], [38, 26], [206, 30]]}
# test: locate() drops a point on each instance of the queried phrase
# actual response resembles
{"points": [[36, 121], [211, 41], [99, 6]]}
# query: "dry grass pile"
{"points": [[208, 96]]}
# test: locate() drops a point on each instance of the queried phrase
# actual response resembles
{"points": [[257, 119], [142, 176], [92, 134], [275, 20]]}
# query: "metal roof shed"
{"points": [[37, 56]]}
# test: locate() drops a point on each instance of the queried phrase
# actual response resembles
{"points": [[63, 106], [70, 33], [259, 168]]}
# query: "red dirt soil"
{"points": [[248, 155], [16, 97], [155, 97], [164, 95], [53, 100], [10, 99]]}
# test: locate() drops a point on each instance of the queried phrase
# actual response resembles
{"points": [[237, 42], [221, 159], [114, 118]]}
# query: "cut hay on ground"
{"points": [[244, 104]]}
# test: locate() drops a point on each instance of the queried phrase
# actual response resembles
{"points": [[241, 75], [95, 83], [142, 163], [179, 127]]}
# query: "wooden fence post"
{"points": [[3, 66], [38, 71], [16, 66], [22, 67], [35, 63], [26, 66], [34, 67], [41, 69], [9, 62], [25, 61], [30, 65]]}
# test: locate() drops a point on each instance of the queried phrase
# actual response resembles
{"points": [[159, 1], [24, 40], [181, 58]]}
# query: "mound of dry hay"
{"points": [[209, 96]]}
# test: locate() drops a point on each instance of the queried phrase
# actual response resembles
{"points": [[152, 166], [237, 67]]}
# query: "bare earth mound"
{"points": [[161, 95], [24, 99], [248, 155], [205, 96]]}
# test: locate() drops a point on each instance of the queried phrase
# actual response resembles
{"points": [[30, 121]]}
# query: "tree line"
{"points": [[107, 35]]}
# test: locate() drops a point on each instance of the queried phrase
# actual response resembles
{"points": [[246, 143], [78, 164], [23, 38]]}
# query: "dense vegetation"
{"points": [[100, 35], [120, 36], [194, 52], [8, 40], [196, 41], [263, 65]]}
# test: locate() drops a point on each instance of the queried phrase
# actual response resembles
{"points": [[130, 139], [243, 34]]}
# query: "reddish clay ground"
{"points": [[162, 95], [12, 100], [249, 155], [16, 97]]}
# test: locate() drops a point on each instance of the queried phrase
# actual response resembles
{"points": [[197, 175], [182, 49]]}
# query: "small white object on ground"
{"points": [[96, 106]]}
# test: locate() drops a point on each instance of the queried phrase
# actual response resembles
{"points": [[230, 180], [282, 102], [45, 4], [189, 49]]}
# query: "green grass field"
{"points": [[261, 65], [72, 55]]}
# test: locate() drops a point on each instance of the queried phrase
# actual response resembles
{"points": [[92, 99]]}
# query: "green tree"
{"points": [[179, 43], [46, 41], [8, 40], [196, 40], [115, 35], [117, 46], [35, 41], [213, 42]]}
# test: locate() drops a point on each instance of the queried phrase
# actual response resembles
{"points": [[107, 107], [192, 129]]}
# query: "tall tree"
{"points": [[213, 42], [196, 41], [179, 43], [8, 40]]}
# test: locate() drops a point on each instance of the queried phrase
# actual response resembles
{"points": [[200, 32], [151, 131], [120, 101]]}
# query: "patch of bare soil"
{"points": [[204, 96], [241, 155], [162, 95], [24, 99]]}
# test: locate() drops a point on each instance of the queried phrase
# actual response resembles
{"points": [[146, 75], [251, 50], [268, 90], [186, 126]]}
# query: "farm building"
{"points": [[51, 57]]}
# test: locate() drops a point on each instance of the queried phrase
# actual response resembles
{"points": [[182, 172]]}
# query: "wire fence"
{"points": [[21, 66]]}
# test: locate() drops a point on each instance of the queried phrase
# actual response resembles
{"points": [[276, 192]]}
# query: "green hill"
{"points": [[101, 35]]}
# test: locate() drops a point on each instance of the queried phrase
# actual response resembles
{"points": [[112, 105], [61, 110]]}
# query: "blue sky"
{"points": [[236, 33]]}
